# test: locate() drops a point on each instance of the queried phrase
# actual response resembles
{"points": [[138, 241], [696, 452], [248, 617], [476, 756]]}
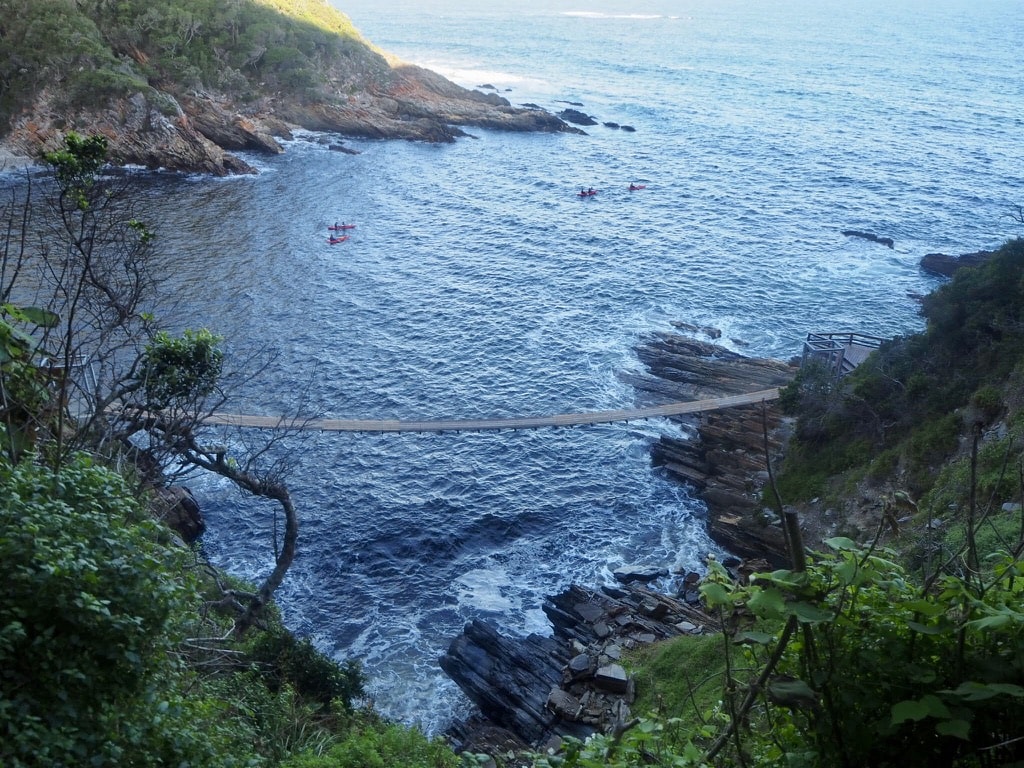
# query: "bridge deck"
{"points": [[481, 425]]}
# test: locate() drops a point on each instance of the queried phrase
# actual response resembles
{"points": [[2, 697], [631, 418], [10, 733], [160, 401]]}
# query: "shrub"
{"points": [[380, 745], [88, 606], [284, 659], [988, 400], [181, 370]]}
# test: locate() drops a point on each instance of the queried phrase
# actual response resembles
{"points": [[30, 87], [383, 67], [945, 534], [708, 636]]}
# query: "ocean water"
{"points": [[477, 284]]}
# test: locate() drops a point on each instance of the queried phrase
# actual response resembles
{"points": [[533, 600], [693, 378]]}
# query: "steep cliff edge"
{"points": [[176, 85]]}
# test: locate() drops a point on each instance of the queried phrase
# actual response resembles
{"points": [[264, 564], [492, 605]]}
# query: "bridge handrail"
{"points": [[837, 339], [480, 425]]}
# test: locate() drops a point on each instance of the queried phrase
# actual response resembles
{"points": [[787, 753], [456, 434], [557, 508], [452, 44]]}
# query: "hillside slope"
{"points": [[180, 84], [929, 426]]}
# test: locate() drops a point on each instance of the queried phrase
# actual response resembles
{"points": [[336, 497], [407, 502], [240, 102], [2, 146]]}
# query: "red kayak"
{"points": [[635, 187], [335, 240], [339, 227], [586, 193]]}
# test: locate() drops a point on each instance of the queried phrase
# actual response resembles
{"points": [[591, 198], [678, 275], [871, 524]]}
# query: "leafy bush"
{"points": [[87, 608], [869, 668], [988, 401], [284, 659], [179, 371]]}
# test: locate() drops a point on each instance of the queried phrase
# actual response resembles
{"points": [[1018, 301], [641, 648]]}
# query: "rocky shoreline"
{"points": [[532, 691], [198, 132], [723, 453]]}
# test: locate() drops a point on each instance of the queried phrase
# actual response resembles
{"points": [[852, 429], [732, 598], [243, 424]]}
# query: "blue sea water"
{"points": [[477, 284]]}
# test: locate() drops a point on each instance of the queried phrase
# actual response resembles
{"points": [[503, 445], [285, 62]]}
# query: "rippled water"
{"points": [[476, 284]]}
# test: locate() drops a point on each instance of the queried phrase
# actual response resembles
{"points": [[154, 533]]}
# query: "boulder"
{"points": [[576, 117], [612, 678], [178, 509], [641, 573], [942, 264]]}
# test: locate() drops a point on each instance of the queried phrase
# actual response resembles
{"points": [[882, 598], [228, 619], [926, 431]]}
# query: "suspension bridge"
{"points": [[488, 425]]}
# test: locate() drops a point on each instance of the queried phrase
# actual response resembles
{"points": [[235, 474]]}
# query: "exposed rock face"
{"points": [[572, 683], [139, 132], [177, 507], [198, 130], [944, 265], [724, 455]]}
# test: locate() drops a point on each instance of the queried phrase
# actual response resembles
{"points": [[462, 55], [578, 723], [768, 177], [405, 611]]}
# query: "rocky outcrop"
{"points": [[941, 264], [179, 511], [572, 683], [576, 117], [886, 241], [197, 131], [723, 452]]}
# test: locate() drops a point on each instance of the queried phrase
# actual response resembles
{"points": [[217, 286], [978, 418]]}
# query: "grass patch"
{"points": [[682, 677]]}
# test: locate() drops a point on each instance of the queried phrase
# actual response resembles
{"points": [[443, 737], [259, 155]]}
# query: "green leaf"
{"points": [[927, 706], [990, 622], [908, 710], [927, 629], [810, 614], [848, 571], [44, 318], [935, 706], [925, 607], [841, 543], [767, 603], [791, 692], [785, 578], [761, 638], [715, 595], [974, 691], [958, 728]]}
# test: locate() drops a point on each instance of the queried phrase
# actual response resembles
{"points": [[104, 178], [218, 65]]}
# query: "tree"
{"points": [[90, 369]]}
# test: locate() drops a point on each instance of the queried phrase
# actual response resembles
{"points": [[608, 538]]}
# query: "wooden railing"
{"points": [[833, 350]]}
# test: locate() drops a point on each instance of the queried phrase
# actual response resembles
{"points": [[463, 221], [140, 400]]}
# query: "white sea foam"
{"points": [[603, 15]]}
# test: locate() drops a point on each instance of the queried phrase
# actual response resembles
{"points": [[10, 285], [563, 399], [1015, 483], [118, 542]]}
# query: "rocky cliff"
{"points": [[155, 118]]}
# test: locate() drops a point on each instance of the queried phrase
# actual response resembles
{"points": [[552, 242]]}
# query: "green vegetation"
{"points": [[913, 401], [680, 678], [178, 370], [119, 646], [93, 49], [110, 654], [867, 667]]}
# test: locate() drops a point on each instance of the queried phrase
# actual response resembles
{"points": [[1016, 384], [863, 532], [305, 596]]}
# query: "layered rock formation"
{"points": [[724, 452], [570, 684]]}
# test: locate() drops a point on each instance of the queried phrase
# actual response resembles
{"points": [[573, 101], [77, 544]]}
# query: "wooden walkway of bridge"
{"points": [[486, 425]]}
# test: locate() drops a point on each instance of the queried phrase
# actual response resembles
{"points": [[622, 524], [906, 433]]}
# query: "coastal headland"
{"points": [[223, 87]]}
